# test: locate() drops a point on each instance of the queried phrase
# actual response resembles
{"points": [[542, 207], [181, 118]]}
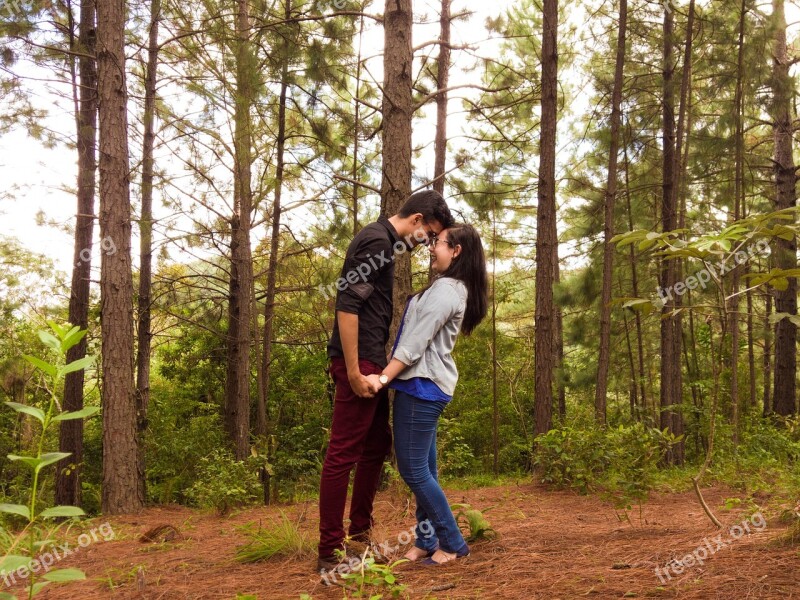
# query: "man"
{"points": [[360, 433]]}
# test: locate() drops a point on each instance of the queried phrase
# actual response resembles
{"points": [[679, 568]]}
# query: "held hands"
{"points": [[365, 386], [375, 382]]}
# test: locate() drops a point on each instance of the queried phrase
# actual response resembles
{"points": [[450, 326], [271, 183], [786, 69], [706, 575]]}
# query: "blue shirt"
{"points": [[420, 387]]}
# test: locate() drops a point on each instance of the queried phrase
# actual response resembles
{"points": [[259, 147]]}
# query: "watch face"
{"points": [[384, 379]]}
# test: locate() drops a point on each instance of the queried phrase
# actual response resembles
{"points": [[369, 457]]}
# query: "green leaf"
{"points": [[60, 331], [31, 461], [16, 509], [62, 511], [12, 562], [780, 283], [51, 370], [62, 575], [778, 316], [78, 414], [48, 339], [72, 337], [77, 365], [7, 596], [49, 458], [38, 413], [390, 579], [37, 587]]}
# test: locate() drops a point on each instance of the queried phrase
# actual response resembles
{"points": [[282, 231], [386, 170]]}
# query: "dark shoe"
{"points": [[328, 564]]}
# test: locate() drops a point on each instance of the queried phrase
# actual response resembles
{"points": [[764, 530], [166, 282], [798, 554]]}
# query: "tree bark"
{"points": [[546, 233], [397, 114], [442, 81], [120, 489], [272, 268], [635, 288], [68, 480], [237, 381], [608, 231], [785, 251], [767, 357], [670, 326], [144, 335], [738, 192]]}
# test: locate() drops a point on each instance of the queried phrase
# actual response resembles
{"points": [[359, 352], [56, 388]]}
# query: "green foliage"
{"points": [[372, 578], [224, 483], [282, 539], [623, 460], [570, 457], [59, 339], [473, 521], [457, 456]]}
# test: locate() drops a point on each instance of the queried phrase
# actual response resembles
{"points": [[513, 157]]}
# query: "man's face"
{"points": [[425, 232]]}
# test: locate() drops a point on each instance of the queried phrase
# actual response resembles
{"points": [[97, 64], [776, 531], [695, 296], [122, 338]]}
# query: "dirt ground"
{"points": [[551, 545]]}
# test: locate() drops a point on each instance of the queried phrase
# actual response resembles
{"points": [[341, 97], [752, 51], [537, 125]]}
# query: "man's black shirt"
{"points": [[365, 289]]}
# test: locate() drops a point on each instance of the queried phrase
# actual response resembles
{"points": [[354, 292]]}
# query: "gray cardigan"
{"points": [[429, 333]]}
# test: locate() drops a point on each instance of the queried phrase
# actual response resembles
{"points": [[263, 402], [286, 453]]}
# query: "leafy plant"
{"points": [[60, 340], [474, 521], [224, 483], [284, 539], [370, 574]]}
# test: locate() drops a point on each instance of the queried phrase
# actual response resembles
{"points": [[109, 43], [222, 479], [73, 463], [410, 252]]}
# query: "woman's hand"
{"points": [[375, 382]]}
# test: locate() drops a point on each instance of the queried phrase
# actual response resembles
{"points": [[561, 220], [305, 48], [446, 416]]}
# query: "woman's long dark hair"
{"points": [[469, 267]]}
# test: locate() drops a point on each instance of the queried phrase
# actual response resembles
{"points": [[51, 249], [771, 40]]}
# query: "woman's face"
{"points": [[442, 252]]}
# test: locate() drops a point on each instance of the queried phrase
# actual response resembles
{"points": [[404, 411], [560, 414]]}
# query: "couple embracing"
{"points": [[420, 369]]}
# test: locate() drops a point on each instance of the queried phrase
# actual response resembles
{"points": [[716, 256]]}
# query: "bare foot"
{"points": [[441, 557], [415, 554]]}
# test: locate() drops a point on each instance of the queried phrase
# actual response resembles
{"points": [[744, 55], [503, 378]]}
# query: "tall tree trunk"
{"points": [[120, 489], [397, 115], [546, 233], [785, 251], [635, 288], [495, 404], [237, 382], [738, 177], [146, 244], [357, 129], [274, 247], [767, 357], [670, 326], [68, 481], [561, 387], [442, 79], [608, 231]]}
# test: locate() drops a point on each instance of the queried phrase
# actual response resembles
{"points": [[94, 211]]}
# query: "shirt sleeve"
{"points": [[369, 259], [437, 306]]}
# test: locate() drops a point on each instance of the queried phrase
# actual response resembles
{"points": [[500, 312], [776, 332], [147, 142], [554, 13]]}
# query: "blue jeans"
{"points": [[415, 422]]}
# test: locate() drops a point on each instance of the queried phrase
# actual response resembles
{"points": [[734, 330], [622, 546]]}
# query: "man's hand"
{"points": [[362, 386], [375, 381]]}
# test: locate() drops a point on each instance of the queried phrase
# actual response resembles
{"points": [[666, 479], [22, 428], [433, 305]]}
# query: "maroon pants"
{"points": [[361, 438]]}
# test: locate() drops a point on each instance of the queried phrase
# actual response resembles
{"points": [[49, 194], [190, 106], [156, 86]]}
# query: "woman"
{"points": [[424, 375]]}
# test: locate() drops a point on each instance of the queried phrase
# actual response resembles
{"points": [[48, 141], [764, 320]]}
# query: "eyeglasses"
{"points": [[432, 243]]}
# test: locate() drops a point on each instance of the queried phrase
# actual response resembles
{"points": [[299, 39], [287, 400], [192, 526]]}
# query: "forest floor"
{"points": [[551, 545]]}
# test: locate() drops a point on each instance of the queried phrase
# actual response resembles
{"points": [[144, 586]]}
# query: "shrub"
{"points": [[224, 483]]}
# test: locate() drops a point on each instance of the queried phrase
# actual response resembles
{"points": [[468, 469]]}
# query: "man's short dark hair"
{"points": [[430, 204]]}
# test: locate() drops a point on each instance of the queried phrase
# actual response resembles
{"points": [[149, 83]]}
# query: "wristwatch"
{"points": [[384, 379]]}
